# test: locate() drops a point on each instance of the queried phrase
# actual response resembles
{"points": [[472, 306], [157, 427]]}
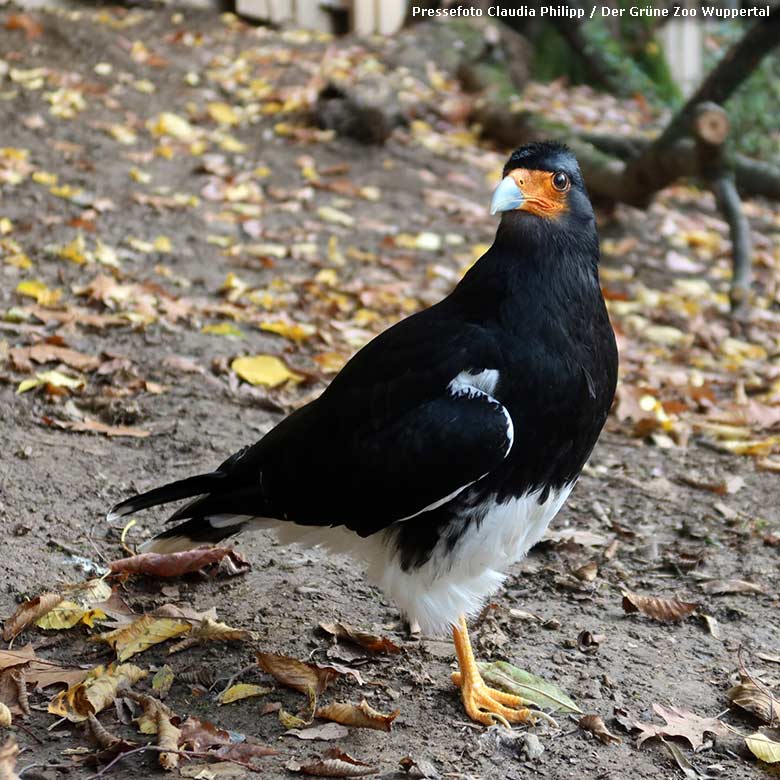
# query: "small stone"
{"points": [[533, 746]]}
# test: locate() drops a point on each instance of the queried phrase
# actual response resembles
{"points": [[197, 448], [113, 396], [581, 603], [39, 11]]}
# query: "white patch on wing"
{"points": [[481, 385]]}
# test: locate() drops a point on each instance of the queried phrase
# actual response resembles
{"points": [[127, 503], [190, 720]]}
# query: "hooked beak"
{"points": [[507, 196]]}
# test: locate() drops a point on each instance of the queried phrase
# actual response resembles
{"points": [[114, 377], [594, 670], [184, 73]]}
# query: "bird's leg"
{"points": [[483, 704]]}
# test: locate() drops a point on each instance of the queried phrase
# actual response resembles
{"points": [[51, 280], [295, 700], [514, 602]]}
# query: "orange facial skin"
{"points": [[541, 197]]}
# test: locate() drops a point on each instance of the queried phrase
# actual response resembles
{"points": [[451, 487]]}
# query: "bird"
{"points": [[444, 447]]}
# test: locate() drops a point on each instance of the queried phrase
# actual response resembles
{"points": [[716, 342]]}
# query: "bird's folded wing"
{"points": [[392, 468]]}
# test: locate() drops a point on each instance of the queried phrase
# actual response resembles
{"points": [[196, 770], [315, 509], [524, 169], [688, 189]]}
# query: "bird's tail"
{"points": [[213, 515]]}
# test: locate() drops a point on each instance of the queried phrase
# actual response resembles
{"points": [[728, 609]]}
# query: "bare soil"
{"points": [[56, 485]]}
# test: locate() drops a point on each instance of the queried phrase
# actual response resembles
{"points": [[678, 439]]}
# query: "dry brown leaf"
{"points": [[750, 697], [326, 731], [10, 658], [167, 739], [199, 735], [23, 357], [142, 634], [663, 610], [211, 631], [295, 674], [169, 564], [243, 751], [89, 425], [152, 707], [8, 753], [28, 613], [361, 716], [335, 763], [28, 24], [680, 723], [366, 640], [596, 726], [96, 692]]}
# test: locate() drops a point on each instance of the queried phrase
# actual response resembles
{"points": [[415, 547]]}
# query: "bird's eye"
{"points": [[560, 181]]}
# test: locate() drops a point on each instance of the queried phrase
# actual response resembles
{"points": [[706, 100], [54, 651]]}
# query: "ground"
{"points": [[231, 210]]}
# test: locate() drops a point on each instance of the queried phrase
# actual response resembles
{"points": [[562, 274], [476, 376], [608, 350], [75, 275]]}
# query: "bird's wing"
{"points": [[406, 426], [392, 467], [409, 423]]}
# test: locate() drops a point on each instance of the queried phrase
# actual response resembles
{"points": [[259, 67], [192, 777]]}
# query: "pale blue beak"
{"points": [[507, 196]]}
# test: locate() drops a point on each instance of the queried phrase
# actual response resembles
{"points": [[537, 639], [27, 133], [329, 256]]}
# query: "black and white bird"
{"points": [[443, 449]]}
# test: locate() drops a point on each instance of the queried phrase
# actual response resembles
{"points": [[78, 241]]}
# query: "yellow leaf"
{"points": [[65, 191], [95, 693], [75, 251], [106, 254], [223, 329], [330, 362], [6, 226], [763, 748], [68, 614], [19, 260], [265, 370], [172, 125], [222, 113], [162, 244], [337, 217], [54, 378], [33, 288], [43, 177], [241, 691], [123, 134], [142, 633], [295, 331], [142, 177]]}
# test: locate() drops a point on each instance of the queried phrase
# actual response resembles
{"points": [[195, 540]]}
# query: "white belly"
{"points": [[452, 582], [459, 581]]}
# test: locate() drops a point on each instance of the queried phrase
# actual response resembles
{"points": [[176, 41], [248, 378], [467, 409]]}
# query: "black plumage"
{"points": [[464, 418]]}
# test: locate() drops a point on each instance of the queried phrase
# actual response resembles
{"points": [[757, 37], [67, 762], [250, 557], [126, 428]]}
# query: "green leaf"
{"points": [[531, 688]]}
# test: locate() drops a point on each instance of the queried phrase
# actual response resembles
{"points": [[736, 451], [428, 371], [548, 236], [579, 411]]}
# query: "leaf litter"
{"points": [[684, 380]]}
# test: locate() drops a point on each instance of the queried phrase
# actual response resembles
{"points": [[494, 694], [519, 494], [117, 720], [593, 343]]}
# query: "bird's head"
{"points": [[542, 181]]}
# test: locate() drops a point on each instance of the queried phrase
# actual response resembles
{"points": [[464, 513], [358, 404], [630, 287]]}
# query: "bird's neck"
{"points": [[531, 261]]}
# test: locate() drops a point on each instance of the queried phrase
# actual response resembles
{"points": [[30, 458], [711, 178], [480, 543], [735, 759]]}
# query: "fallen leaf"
{"points": [[96, 692], [720, 587], [162, 681], [532, 689], [370, 642], [5, 717], [326, 731], [8, 753], [209, 630], [360, 716], [34, 288], [23, 357], [199, 735], [243, 751], [295, 674], [662, 610], [753, 699], [265, 370], [28, 613], [88, 425], [68, 614], [52, 380], [169, 564], [596, 726], [680, 723], [142, 634], [167, 739], [682, 762], [764, 747], [28, 24], [242, 691], [335, 763]]}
